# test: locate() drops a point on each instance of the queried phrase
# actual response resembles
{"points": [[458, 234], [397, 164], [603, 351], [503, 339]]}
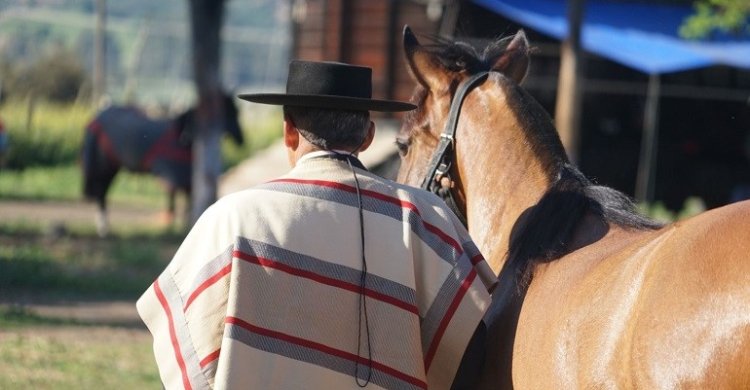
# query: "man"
{"points": [[329, 277]]}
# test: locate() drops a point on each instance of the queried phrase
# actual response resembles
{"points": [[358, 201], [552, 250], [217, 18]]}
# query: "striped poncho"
{"points": [[264, 293]]}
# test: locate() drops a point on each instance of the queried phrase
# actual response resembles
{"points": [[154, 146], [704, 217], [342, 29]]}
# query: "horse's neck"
{"points": [[501, 185]]}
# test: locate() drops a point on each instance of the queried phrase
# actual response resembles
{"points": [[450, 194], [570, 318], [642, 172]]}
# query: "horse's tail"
{"points": [[88, 159], [97, 170]]}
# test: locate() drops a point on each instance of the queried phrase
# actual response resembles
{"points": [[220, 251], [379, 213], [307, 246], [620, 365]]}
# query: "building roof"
{"points": [[641, 36]]}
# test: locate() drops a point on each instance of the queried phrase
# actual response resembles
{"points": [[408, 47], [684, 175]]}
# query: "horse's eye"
{"points": [[403, 147]]}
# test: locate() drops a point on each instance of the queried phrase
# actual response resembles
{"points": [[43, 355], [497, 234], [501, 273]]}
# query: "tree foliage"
{"points": [[56, 76], [727, 16]]}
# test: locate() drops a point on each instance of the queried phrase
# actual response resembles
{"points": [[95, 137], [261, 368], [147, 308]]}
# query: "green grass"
{"points": [[120, 266], [75, 358], [65, 183], [261, 127], [18, 317], [41, 351], [52, 136]]}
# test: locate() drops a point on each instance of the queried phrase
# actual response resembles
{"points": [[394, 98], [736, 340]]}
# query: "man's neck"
{"points": [[307, 151]]}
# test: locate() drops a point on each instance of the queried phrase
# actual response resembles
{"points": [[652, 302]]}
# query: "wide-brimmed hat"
{"points": [[331, 85]]}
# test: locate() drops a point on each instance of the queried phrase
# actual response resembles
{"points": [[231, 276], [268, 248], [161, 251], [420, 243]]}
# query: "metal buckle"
{"points": [[441, 170]]}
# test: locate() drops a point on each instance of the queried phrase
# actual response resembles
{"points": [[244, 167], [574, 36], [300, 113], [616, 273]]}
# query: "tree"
{"points": [[570, 83], [207, 17], [729, 16]]}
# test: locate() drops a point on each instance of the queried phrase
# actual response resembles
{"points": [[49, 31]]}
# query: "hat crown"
{"points": [[329, 78]]}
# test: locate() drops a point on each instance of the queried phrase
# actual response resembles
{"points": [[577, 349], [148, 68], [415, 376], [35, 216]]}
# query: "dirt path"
{"points": [[119, 313], [58, 214], [77, 213]]}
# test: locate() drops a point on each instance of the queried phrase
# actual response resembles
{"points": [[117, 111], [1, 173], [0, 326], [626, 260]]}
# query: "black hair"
{"points": [[330, 129]]}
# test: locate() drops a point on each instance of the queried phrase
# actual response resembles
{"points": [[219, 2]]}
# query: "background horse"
{"points": [[3, 143], [124, 137], [591, 294]]}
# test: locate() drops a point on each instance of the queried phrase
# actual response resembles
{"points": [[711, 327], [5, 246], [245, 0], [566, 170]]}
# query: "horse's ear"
{"points": [[424, 67], [514, 61]]}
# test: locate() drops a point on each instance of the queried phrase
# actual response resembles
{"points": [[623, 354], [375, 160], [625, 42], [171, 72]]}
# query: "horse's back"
{"points": [[130, 132], [695, 320], [648, 309]]}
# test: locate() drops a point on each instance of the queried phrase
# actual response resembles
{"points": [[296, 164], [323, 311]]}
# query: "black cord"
{"points": [[362, 307]]}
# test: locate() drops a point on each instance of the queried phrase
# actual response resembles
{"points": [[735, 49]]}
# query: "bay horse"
{"points": [[591, 294], [124, 137]]}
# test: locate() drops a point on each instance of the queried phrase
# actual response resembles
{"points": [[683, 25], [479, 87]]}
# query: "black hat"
{"points": [[328, 85]]}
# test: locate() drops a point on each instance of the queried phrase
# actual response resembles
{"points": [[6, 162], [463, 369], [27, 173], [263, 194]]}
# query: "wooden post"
{"points": [[100, 51], [570, 84], [131, 71], [644, 186], [206, 21]]}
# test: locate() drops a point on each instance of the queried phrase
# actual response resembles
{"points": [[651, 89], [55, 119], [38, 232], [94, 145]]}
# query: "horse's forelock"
{"points": [[464, 56]]}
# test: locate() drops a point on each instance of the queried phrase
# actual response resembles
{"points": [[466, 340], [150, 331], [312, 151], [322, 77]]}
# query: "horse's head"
{"points": [[232, 120], [186, 122], [439, 70]]}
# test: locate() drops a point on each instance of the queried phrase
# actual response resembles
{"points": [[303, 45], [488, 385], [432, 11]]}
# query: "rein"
{"points": [[438, 179]]}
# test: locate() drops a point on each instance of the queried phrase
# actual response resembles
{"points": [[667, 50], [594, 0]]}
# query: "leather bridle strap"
{"points": [[438, 180]]}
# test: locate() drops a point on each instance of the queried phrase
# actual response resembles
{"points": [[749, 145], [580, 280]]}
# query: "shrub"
{"points": [[58, 76], [53, 137]]}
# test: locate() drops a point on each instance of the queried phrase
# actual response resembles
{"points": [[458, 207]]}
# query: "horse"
{"points": [[591, 294], [124, 137]]}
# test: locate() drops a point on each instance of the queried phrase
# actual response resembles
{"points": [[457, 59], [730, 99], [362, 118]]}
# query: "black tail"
{"points": [[98, 170], [89, 158]]}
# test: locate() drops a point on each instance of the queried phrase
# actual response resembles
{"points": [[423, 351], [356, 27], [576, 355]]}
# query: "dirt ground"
{"points": [[74, 213], [56, 215]]}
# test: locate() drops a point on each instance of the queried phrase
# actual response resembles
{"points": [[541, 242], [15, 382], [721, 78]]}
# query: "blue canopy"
{"points": [[638, 35]]}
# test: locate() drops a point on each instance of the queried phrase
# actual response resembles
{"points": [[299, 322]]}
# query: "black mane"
{"points": [[544, 232]]}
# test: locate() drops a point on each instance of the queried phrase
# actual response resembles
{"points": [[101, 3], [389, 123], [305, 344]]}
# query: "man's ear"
{"points": [[291, 135], [369, 137]]}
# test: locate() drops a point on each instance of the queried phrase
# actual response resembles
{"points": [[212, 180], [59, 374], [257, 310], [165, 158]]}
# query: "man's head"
{"points": [[307, 129], [328, 104], [330, 129]]}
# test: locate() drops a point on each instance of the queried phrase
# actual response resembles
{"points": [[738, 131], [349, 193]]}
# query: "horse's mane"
{"points": [[544, 232]]}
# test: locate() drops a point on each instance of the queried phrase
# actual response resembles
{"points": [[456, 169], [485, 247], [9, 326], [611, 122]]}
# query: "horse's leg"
{"points": [[98, 173], [102, 223], [470, 370], [104, 181], [188, 210], [501, 320], [171, 196]]}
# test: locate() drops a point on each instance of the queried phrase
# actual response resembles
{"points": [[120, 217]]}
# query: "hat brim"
{"points": [[328, 101]]}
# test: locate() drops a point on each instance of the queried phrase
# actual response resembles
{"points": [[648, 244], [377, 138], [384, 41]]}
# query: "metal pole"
{"points": [[646, 180]]}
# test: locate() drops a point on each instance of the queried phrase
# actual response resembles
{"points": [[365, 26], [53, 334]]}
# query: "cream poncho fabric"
{"points": [[264, 293]]}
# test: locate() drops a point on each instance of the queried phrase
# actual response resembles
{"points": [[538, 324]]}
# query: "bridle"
{"points": [[438, 178]]}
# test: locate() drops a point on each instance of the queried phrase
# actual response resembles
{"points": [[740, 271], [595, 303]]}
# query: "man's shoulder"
{"points": [[405, 192], [243, 198]]}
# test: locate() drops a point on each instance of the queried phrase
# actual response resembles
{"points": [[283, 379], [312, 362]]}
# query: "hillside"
{"points": [[147, 41]]}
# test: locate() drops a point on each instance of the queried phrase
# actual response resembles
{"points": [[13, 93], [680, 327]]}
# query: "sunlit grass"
{"points": [[120, 265], [70, 357], [39, 351], [66, 183], [45, 134]]}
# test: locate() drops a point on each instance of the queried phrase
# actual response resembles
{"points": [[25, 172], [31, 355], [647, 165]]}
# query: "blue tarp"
{"points": [[638, 35]]}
